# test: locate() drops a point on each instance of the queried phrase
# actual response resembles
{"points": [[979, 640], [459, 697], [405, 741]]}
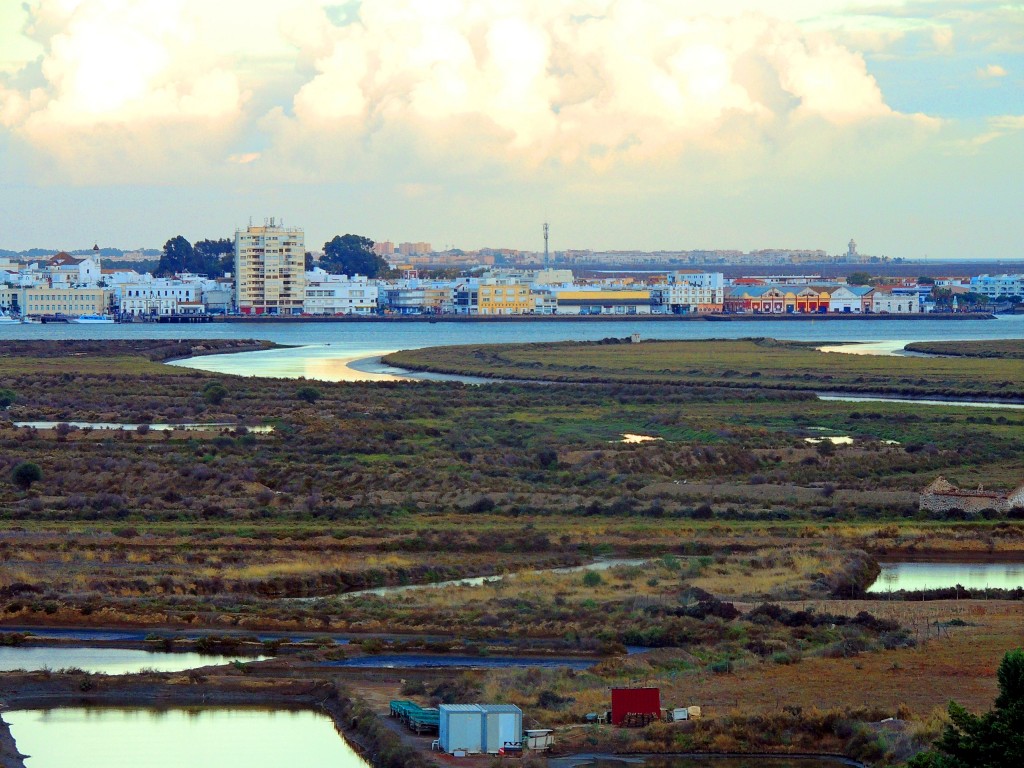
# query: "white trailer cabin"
{"points": [[502, 727], [460, 728]]}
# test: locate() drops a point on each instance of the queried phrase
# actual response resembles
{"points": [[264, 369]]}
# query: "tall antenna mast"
{"points": [[546, 255]]}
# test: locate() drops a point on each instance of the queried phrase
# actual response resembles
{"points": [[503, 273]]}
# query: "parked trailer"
{"points": [[416, 718], [502, 729], [461, 728], [480, 728]]}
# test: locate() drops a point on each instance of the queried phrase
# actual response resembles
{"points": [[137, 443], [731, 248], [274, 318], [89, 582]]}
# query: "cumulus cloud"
{"points": [[992, 70], [580, 83], [160, 89], [128, 87]]}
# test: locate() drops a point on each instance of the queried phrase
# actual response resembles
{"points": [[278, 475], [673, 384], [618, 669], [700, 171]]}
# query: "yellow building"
{"points": [[72, 302], [504, 299]]}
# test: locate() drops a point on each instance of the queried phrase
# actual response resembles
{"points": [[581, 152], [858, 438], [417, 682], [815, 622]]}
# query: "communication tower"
{"points": [[546, 255]]}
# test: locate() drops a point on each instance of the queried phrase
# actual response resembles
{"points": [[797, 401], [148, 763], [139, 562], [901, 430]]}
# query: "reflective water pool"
{"points": [[107, 661], [111, 425], [476, 581], [197, 738], [417, 661], [940, 575]]}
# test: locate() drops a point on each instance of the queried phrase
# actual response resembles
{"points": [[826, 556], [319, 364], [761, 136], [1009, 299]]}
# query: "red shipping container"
{"points": [[635, 701]]}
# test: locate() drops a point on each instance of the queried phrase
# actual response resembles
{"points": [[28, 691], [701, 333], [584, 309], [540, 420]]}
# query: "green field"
{"points": [[741, 364]]}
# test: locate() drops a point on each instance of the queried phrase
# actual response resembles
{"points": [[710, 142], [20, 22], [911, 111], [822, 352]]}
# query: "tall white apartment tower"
{"points": [[270, 269]]}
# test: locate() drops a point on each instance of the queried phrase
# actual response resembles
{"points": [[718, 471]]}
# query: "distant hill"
{"points": [[115, 254]]}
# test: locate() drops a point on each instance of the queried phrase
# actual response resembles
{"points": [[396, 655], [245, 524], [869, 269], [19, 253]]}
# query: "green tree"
{"points": [[7, 397], [858, 278], [308, 394], [992, 740], [176, 256], [213, 258], [26, 473], [214, 393], [352, 255], [207, 257]]}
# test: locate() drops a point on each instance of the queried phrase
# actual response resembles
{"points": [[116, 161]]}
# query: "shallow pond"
{"points": [[941, 575], [954, 403], [416, 661], [195, 427], [107, 661], [197, 738], [476, 581]]}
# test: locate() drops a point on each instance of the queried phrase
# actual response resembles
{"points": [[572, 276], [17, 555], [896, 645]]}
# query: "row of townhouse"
{"points": [[821, 299]]}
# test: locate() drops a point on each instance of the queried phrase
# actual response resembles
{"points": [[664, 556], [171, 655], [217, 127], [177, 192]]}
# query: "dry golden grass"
{"points": [[958, 664]]}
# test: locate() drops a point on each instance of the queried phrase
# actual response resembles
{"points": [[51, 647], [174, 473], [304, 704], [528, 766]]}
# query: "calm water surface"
{"points": [[329, 347], [912, 576], [107, 661], [418, 661], [365, 338], [477, 581], [203, 738]]}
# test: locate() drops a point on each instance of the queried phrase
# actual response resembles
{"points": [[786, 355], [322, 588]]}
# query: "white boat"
{"points": [[92, 319], [5, 318]]}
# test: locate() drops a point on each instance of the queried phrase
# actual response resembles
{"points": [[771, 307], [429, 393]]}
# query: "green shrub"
{"points": [[26, 473], [308, 394]]}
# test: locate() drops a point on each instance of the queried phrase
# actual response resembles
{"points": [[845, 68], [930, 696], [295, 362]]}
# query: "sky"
{"points": [[627, 124]]}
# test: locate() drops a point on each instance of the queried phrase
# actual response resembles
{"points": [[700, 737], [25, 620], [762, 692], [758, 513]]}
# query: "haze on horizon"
{"points": [[468, 122]]}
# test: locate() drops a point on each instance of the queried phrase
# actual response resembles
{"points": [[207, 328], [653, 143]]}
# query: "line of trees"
{"points": [[213, 258], [352, 255]]}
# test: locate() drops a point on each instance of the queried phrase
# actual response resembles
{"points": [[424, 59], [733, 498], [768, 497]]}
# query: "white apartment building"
{"points": [[328, 294], [163, 296], [270, 270], [994, 286], [894, 303], [687, 292]]}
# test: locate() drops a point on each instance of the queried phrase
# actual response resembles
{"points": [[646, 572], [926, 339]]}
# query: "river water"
{"points": [[107, 661], [176, 738], [365, 339], [329, 347], [942, 575]]}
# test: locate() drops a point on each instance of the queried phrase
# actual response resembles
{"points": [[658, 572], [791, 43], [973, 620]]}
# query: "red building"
{"points": [[635, 706]]}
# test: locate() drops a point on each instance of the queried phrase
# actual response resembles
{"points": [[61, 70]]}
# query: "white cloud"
{"points": [[130, 89], [992, 70], [533, 85], [159, 90]]}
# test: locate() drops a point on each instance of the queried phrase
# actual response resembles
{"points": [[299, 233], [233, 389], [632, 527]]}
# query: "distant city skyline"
{"points": [[626, 126]]}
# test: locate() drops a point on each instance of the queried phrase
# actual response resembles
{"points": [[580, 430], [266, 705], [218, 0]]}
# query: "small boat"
{"points": [[91, 319], [5, 318]]}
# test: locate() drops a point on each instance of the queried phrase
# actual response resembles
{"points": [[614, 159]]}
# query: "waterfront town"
{"points": [[269, 272]]}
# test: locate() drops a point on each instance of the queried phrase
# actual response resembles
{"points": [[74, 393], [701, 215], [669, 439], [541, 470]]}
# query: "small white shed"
{"points": [[502, 727], [460, 728]]}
